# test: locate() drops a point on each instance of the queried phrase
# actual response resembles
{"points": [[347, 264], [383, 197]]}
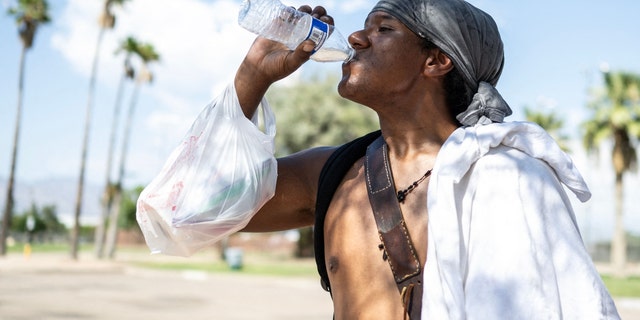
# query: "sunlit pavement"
{"points": [[55, 287], [51, 286]]}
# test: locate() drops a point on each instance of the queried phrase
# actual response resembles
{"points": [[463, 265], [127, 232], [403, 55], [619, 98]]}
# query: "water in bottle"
{"points": [[273, 20]]}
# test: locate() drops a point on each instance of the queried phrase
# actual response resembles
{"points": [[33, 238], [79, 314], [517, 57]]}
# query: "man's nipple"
{"points": [[333, 264]]}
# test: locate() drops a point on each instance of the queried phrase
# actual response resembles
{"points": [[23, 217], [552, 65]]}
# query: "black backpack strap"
{"points": [[331, 176]]}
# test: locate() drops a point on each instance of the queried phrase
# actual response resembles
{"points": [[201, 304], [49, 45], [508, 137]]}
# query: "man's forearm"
{"points": [[250, 88]]}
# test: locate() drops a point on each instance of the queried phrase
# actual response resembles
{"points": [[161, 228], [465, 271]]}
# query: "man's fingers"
{"points": [[327, 19], [301, 54], [319, 11], [305, 8]]}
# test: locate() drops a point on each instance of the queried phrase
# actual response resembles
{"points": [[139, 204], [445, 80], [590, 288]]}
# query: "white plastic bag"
{"points": [[213, 183]]}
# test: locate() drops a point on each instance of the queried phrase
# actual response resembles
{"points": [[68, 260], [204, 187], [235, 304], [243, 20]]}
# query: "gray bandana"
{"points": [[470, 38]]}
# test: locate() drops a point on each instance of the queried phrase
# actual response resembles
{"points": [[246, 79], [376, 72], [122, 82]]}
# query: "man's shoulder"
{"points": [[503, 156], [346, 155], [502, 162], [522, 148], [495, 146]]}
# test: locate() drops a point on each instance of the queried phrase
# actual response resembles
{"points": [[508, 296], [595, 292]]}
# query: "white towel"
{"points": [[503, 239]]}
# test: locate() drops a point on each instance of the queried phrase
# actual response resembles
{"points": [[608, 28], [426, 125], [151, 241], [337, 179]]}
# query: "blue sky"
{"points": [[553, 50]]}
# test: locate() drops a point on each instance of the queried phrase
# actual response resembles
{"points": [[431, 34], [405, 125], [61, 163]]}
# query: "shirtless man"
{"points": [[394, 76], [403, 79]]}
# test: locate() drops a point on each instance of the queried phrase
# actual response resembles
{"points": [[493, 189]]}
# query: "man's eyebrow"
{"points": [[380, 15]]}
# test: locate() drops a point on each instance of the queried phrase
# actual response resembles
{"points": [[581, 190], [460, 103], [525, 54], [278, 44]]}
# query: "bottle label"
{"points": [[319, 32]]}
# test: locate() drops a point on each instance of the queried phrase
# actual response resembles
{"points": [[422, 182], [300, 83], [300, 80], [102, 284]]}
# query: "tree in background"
{"points": [[552, 123], [311, 113], [107, 21], [128, 218], [45, 223], [147, 53], [52, 225], [20, 223], [129, 47], [29, 15], [616, 116]]}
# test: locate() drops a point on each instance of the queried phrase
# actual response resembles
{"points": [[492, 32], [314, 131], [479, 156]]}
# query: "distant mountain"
{"points": [[61, 192]]}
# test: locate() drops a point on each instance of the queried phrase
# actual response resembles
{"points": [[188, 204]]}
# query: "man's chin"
{"points": [[347, 92], [343, 87]]}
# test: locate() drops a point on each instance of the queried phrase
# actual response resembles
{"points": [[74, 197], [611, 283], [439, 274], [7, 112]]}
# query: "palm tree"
{"points": [[29, 15], [129, 46], [147, 54], [551, 122], [616, 116], [107, 21]]}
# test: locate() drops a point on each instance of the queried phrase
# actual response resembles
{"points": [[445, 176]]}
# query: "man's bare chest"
{"points": [[350, 215], [354, 258]]}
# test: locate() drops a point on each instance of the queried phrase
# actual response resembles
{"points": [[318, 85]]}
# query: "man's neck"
{"points": [[409, 134]]}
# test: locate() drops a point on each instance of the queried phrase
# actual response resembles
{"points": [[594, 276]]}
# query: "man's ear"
{"points": [[437, 63]]}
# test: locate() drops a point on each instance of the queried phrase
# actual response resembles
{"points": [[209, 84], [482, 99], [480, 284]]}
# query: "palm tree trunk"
{"points": [[8, 211], [75, 235], [619, 241], [108, 200], [112, 232], [115, 214]]}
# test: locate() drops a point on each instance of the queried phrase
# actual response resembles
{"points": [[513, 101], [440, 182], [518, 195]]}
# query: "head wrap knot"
{"points": [[486, 107], [468, 35]]}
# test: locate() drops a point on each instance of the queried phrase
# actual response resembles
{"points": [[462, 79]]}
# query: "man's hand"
{"points": [[268, 61]]}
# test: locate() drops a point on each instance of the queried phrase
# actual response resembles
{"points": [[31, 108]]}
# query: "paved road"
{"points": [[52, 287], [61, 289]]}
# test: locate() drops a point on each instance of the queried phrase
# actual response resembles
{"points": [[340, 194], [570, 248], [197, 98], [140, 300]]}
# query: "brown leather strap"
{"points": [[396, 242]]}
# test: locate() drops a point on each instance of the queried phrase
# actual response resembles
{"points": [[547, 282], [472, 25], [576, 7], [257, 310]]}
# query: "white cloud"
{"points": [[200, 46], [546, 103], [200, 43], [335, 7], [79, 32], [354, 6]]}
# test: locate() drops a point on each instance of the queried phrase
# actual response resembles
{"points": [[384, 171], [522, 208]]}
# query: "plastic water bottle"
{"points": [[275, 21]]}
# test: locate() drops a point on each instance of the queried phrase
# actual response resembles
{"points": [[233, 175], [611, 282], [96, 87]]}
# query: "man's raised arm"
{"points": [[294, 201]]}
